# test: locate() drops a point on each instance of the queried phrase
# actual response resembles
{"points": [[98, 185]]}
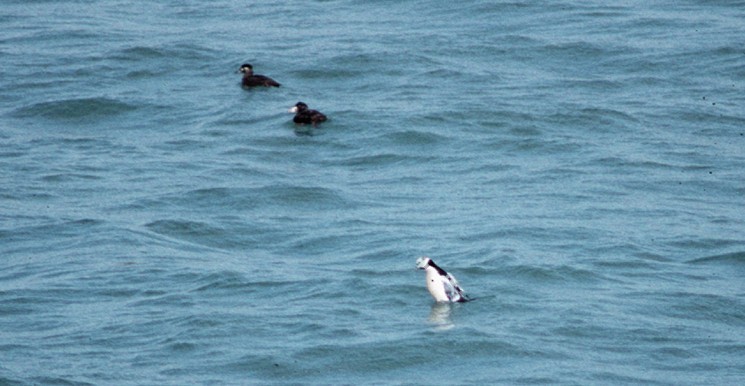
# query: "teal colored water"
{"points": [[578, 166]]}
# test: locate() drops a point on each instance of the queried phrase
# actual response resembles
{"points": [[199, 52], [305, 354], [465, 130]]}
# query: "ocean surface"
{"points": [[579, 166]]}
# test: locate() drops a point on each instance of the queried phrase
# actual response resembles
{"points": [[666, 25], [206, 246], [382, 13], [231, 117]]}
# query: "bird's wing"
{"points": [[453, 289]]}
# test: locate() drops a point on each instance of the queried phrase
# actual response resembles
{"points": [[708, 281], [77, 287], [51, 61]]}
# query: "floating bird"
{"points": [[441, 285], [252, 80], [304, 115]]}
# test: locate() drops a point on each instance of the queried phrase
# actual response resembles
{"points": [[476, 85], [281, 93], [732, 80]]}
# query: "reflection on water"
{"points": [[439, 315]]}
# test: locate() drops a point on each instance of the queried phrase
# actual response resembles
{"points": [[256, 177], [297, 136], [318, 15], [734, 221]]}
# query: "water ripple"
{"points": [[76, 109]]}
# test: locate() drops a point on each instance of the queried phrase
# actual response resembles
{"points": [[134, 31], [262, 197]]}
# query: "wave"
{"points": [[415, 137], [239, 199], [560, 274], [187, 51], [734, 258], [75, 109]]}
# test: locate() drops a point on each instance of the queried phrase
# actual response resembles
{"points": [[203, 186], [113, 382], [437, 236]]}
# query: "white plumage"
{"points": [[442, 285]]}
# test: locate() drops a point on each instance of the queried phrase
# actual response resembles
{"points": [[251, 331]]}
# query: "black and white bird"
{"points": [[252, 80], [441, 285], [305, 115]]}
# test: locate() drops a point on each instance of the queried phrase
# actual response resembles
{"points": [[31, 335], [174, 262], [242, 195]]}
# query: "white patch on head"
{"points": [[293, 109], [422, 262]]}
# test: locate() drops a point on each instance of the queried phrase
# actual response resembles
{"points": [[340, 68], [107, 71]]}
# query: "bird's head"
{"points": [[422, 262]]}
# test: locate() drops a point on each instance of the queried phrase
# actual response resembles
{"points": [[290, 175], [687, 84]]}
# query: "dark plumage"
{"points": [[305, 115], [252, 80]]}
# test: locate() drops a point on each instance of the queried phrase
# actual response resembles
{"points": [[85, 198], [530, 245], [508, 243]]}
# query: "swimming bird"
{"points": [[304, 115], [441, 285], [252, 80]]}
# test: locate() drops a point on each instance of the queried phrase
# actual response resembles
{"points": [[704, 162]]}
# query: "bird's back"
{"points": [[259, 80]]}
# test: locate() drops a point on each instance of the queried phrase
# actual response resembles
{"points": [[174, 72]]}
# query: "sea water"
{"points": [[579, 166]]}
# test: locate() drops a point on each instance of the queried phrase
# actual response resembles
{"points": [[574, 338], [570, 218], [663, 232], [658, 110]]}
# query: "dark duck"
{"points": [[253, 80], [305, 115]]}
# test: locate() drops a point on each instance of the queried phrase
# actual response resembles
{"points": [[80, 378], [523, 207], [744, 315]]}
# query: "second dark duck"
{"points": [[305, 115], [254, 80]]}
